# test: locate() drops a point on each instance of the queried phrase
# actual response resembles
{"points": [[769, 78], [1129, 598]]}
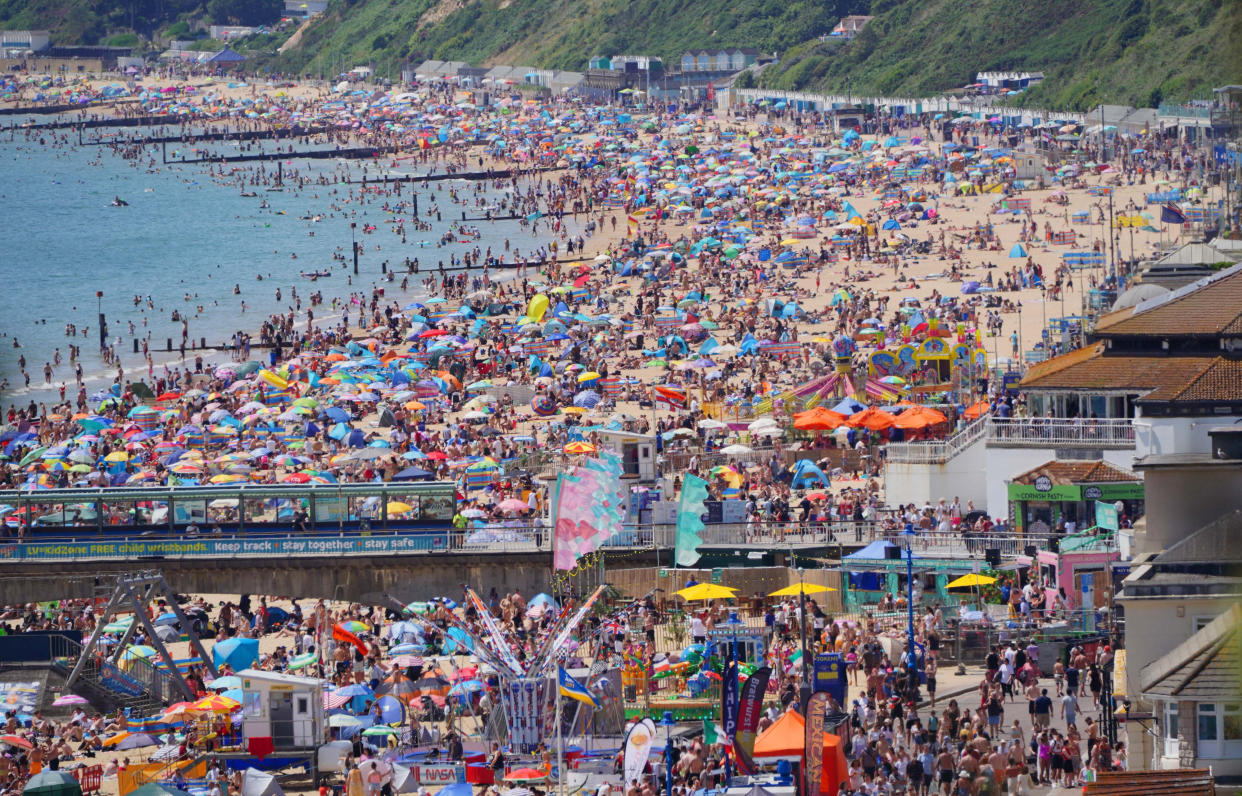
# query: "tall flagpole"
{"points": [[560, 741]]}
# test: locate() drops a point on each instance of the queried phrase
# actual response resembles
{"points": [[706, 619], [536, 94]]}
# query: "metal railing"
{"points": [[1049, 432], [1021, 432], [494, 538], [937, 451]]}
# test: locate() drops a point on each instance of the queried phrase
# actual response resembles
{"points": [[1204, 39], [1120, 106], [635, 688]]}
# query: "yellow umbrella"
{"points": [[973, 579], [117, 456], [707, 591], [805, 588], [397, 507], [590, 375]]}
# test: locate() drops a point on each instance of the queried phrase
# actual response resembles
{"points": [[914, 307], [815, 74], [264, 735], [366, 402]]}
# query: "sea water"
{"points": [[186, 241]]}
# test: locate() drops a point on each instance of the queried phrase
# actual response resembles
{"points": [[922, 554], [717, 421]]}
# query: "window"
{"points": [[1233, 721], [1200, 622], [303, 706], [1207, 722], [1170, 729]]}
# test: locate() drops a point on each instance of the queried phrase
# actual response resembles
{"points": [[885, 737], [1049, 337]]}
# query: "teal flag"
{"points": [[690, 520]]}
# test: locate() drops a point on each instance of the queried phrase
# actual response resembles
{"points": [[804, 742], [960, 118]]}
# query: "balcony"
{"points": [[1033, 432]]}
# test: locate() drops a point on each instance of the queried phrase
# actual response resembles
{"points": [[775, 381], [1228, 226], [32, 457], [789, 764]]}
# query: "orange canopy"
{"points": [[872, 419], [977, 409], [818, 419], [919, 417], [786, 738]]}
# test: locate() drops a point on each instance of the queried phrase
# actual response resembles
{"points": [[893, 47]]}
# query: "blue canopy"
{"points": [[239, 653], [877, 550]]}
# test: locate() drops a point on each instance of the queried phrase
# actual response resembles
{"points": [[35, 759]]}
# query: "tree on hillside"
{"points": [[245, 12]]}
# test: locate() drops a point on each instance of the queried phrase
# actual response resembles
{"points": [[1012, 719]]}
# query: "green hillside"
{"points": [[554, 33], [1137, 52], [122, 22]]}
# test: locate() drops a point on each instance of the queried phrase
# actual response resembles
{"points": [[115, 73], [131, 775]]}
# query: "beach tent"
{"points": [[786, 740], [847, 407], [52, 783], [260, 783], [806, 473], [404, 780], [239, 653]]}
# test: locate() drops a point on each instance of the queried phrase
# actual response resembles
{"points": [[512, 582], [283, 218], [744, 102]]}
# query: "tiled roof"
{"points": [[1065, 473], [1063, 361], [1220, 381], [1211, 309], [1204, 667], [1092, 369]]}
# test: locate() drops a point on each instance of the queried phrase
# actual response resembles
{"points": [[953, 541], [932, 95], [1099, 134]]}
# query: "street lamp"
{"points": [[730, 704], [912, 658], [667, 722], [804, 688]]}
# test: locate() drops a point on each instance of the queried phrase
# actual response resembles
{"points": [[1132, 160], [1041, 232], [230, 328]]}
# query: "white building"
{"points": [[286, 709], [19, 42], [1163, 372]]}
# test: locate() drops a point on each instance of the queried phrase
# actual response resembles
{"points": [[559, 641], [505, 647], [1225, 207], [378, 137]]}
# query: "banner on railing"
{"points": [[223, 548], [20, 697]]}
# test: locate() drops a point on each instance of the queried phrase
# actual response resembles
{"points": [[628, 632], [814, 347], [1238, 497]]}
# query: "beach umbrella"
{"points": [[69, 699], [970, 580], [52, 783], [707, 591], [919, 417], [158, 789], [801, 588], [137, 740], [238, 653], [215, 703]]}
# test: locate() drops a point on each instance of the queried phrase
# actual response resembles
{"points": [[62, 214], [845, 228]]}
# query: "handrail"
{"points": [[757, 532], [1024, 432]]}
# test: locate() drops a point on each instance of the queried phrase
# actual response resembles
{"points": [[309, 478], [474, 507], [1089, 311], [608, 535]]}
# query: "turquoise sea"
{"points": [[183, 233]]}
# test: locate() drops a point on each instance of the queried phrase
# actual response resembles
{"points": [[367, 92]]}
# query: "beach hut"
{"points": [[281, 711]]}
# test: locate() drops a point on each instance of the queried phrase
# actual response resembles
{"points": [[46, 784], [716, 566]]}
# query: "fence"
{"points": [[1033, 432], [36, 647]]}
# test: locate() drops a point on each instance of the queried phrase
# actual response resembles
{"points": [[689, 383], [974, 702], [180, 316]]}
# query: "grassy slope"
{"points": [[71, 21], [1138, 52], [561, 33]]}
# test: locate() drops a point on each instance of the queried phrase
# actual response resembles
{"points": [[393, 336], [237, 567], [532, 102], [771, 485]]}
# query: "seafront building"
{"points": [[1153, 379]]}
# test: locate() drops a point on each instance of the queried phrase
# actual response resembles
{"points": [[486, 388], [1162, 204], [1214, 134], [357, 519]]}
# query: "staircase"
{"points": [[938, 451], [142, 689]]}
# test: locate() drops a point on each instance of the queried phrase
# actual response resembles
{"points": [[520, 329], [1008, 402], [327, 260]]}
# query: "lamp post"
{"points": [[804, 687], [667, 722], [730, 704], [912, 658]]}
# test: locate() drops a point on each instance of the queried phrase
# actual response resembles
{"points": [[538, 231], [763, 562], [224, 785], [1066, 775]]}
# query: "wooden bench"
{"points": [[1172, 782]]}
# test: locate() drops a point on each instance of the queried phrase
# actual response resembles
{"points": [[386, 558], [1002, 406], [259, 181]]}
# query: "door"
{"points": [[280, 710]]}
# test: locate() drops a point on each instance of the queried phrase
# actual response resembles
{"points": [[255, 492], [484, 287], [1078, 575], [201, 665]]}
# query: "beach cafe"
{"points": [[1067, 491]]}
